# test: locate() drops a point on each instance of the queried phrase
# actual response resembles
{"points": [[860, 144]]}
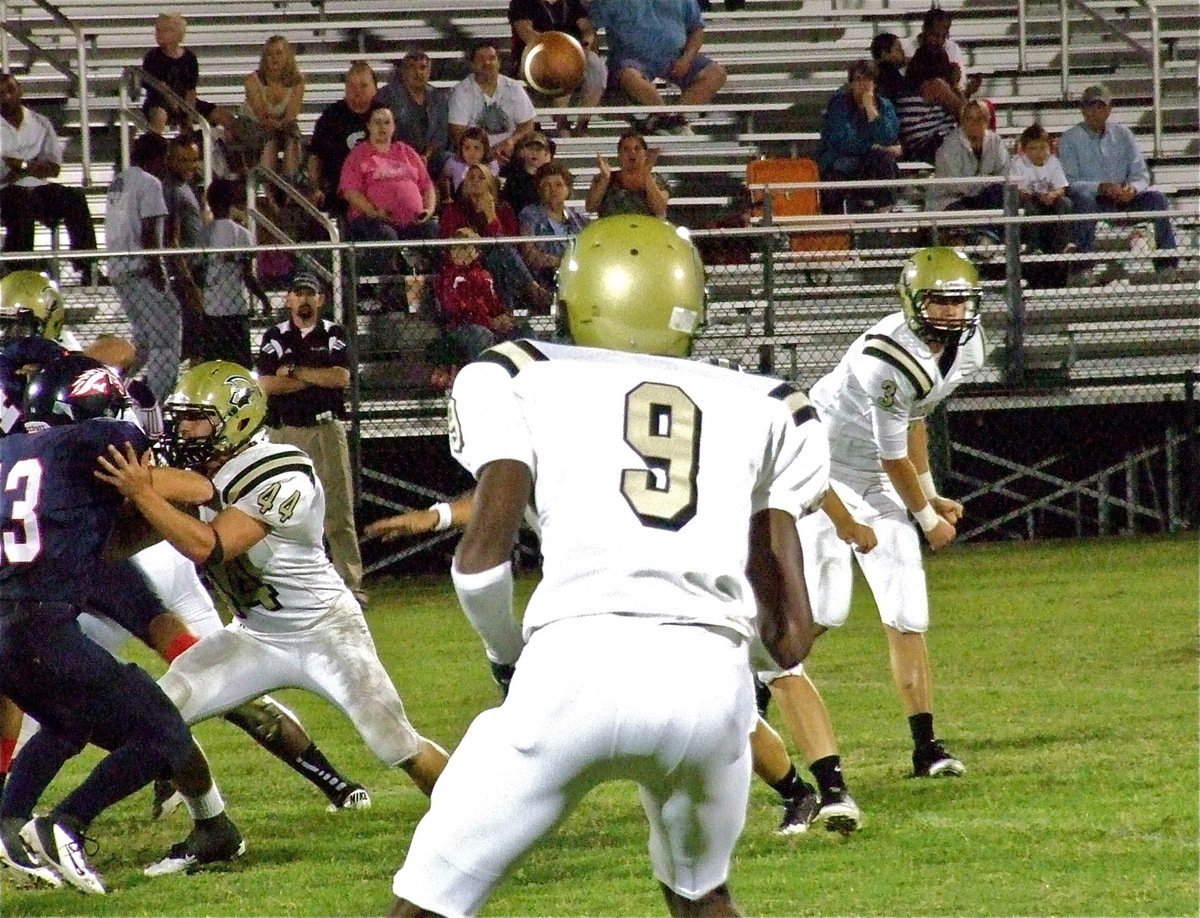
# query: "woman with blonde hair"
{"points": [[274, 94]]}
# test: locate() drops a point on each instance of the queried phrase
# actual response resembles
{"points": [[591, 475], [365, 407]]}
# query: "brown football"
{"points": [[554, 64], [112, 352]]}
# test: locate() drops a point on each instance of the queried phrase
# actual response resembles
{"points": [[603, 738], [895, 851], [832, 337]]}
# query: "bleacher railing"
{"points": [[132, 80]]}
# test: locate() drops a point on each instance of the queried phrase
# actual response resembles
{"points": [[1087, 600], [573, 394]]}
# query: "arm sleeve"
{"points": [[51, 149], [486, 420], [339, 350], [460, 105], [270, 354], [1138, 174]]}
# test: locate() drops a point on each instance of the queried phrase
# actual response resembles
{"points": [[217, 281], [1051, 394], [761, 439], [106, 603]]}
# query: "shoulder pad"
{"points": [[886, 349], [797, 402], [513, 356], [277, 462]]}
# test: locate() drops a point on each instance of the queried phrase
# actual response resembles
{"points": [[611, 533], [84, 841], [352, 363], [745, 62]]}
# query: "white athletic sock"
{"points": [[487, 600], [207, 805]]}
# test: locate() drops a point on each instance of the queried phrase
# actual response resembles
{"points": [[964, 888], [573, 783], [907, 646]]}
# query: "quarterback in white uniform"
{"points": [[666, 493], [873, 405], [297, 624]]}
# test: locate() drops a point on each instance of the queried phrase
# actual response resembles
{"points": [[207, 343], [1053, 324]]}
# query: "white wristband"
{"points": [[927, 485], [927, 518], [928, 488], [443, 512]]}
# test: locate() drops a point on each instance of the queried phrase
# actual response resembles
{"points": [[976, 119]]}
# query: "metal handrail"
{"points": [[134, 76], [1153, 54], [260, 174], [79, 80]]}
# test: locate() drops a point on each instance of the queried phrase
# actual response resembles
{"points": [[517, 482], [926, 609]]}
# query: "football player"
{"points": [[77, 691], [155, 595], [874, 404], [260, 536], [666, 492]]}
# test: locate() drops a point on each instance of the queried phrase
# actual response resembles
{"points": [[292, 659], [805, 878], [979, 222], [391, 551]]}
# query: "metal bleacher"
{"points": [[784, 58]]}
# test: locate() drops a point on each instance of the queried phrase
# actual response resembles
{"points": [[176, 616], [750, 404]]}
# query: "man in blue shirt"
{"points": [[658, 39], [1108, 173]]}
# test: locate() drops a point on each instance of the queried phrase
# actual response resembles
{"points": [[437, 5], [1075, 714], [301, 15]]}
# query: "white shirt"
{"points": [[284, 583], [224, 283], [887, 378], [1033, 179], [646, 472], [498, 114], [34, 139], [133, 196]]}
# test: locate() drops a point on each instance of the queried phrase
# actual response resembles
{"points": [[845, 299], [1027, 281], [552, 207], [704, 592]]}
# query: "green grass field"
{"points": [[1066, 678]]}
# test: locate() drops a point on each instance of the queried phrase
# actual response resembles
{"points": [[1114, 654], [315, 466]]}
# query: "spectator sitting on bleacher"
{"points": [[930, 107], [490, 100], [551, 217], [388, 190], [339, 130], [888, 53], [422, 112], [632, 189], [935, 33], [658, 39], [474, 314], [472, 149], [520, 185], [970, 150], [478, 206], [860, 136], [1108, 173], [529, 19], [1042, 186], [30, 155], [267, 125], [178, 68]]}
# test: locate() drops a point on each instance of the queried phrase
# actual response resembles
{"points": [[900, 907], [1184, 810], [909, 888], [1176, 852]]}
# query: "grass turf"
{"points": [[1065, 677]]}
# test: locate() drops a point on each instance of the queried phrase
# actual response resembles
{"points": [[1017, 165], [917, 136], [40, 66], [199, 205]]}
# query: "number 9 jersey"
{"points": [[646, 473], [284, 582]]}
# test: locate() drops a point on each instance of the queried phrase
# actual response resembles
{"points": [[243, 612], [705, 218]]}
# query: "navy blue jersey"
{"points": [[55, 515]]}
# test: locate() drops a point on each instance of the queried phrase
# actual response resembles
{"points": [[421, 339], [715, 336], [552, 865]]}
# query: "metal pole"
{"points": [[350, 304], [4, 38], [1131, 494], [85, 120], [1171, 455], [1156, 76], [1064, 41], [1021, 36], [123, 97], [1012, 290]]}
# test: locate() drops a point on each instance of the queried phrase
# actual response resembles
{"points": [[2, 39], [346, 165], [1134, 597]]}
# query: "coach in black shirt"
{"points": [[304, 368]]}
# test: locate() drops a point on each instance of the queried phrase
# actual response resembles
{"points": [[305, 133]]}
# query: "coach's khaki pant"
{"points": [[327, 448]]}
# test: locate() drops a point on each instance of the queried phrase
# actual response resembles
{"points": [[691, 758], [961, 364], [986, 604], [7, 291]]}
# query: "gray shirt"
{"points": [[422, 127]]}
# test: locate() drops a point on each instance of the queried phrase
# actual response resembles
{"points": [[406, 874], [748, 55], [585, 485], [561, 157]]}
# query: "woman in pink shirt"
{"points": [[389, 193]]}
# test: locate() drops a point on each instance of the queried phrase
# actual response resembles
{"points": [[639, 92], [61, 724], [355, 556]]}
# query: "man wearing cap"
{"points": [[520, 186], [492, 101], [1108, 173], [421, 111], [338, 131], [304, 368]]}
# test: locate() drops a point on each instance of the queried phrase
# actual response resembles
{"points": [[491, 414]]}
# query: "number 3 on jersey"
{"points": [[662, 425]]}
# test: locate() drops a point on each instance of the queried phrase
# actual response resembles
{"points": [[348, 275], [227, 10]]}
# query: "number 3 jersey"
{"points": [[57, 516], [646, 473], [284, 582], [887, 378]]}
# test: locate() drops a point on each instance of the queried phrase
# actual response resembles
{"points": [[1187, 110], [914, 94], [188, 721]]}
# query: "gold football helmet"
{"points": [[941, 274], [633, 283], [31, 306], [223, 393]]}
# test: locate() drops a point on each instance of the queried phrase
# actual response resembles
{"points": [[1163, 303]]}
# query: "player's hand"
{"points": [[941, 535], [949, 510], [413, 523], [126, 472], [859, 535]]}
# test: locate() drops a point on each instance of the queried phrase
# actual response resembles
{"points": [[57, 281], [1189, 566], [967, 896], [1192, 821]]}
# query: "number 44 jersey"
{"points": [[646, 473], [285, 582]]}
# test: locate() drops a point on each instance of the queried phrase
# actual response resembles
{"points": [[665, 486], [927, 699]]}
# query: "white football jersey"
{"points": [[285, 582], [646, 473], [887, 378]]}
